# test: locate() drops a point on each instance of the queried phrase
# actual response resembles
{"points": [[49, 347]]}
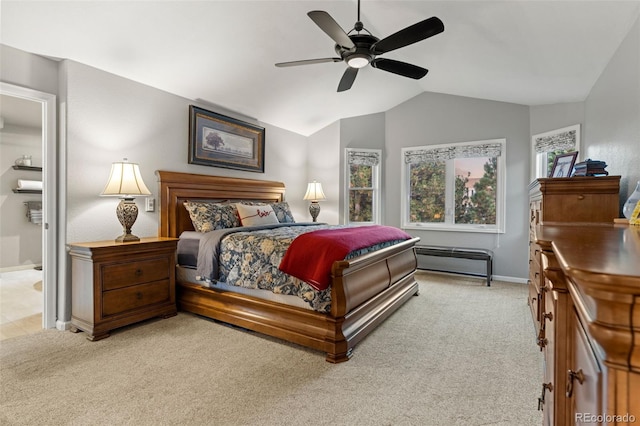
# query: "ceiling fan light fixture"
{"points": [[358, 60]]}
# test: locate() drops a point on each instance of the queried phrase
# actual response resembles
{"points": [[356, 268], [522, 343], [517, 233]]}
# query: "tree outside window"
{"points": [[455, 187], [363, 177]]}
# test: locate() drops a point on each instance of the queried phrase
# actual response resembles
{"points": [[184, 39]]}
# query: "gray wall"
{"points": [[434, 118], [150, 127], [366, 131], [27, 70], [612, 114], [324, 166]]}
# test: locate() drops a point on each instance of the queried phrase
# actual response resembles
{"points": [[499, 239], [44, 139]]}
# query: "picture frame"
{"points": [[219, 141], [563, 165]]}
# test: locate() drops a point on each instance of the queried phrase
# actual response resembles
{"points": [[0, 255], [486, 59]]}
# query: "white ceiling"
{"points": [[223, 52]]}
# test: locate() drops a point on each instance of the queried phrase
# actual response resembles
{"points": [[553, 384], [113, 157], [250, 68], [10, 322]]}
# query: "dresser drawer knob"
{"points": [[138, 272], [545, 387], [571, 375], [139, 296], [580, 197]]}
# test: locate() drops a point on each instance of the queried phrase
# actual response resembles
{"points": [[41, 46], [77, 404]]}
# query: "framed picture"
{"points": [[220, 141], [563, 164]]}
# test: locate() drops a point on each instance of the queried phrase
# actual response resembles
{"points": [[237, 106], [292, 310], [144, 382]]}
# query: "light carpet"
{"points": [[458, 354]]}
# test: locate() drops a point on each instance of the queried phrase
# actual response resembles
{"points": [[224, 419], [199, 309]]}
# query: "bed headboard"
{"points": [[176, 188]]}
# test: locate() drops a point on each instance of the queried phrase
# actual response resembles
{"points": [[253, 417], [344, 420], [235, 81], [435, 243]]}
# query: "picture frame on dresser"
{"points": [[219, 141], [563, 165]]}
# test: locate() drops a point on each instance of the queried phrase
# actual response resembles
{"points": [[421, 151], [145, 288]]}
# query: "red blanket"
{"points": [[311, 255]]}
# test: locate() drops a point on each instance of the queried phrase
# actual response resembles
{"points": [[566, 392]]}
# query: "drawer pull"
{"points": [[580, 197], [542, 342], [545, 387], [573, 375], [138, 272], [139, 295]]}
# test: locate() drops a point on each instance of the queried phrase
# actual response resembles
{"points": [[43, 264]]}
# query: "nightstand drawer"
{"points": [[135, 272], [129, 298]]}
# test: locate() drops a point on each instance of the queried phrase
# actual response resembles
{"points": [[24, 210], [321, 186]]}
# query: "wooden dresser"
{"points": [[117, 284], [561, 200], [572, 236], [592, 324]]}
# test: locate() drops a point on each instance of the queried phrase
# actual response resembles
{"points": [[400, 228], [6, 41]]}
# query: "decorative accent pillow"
{"points": [[256, 215], [210, 216], [283, 212]]}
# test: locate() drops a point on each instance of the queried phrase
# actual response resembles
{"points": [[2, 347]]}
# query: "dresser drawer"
{"points": [[129, 298], [135, 272]]}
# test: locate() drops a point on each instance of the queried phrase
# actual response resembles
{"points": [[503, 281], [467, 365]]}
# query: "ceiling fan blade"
{"points": [[401, 68], [412, 34], [347, 79], [307, 62], [331, 27]]}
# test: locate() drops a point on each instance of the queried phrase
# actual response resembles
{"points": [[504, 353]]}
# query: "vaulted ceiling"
{"points": [[223, 52]]}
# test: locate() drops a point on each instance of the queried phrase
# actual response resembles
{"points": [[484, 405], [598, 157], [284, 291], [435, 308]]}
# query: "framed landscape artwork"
{"points": [[220, 141]]}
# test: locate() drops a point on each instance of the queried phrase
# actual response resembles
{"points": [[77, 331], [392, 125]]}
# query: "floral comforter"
{"points": [[249, 257]]}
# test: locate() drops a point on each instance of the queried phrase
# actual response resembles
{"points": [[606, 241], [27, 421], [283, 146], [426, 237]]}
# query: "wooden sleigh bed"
{"points": [[364, 290]]}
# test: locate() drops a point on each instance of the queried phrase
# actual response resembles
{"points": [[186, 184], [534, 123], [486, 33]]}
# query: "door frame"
{"points": [[49, 196]]}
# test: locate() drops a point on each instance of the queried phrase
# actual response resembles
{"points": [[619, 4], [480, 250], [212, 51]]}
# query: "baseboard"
{"points": [[63, 325], [510, 279], [495, 277]]}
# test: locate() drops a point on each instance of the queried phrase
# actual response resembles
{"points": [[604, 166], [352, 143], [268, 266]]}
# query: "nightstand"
{"points": [[118, 284]]}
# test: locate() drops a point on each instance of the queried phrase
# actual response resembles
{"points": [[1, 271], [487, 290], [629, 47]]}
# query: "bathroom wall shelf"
{"points": [[30, 168], [27, 191]]}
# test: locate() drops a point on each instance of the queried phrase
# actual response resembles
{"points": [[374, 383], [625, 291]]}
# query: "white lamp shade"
{"points": [[125, 181], [314, 192]]}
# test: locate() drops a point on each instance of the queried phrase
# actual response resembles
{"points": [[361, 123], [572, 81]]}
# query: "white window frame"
{"points": [[375, 181], [448, 225], [556, 140]]}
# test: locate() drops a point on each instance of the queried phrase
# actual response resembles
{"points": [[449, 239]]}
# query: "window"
{"points": [[454, 187], [549, 144], [363, 194]]}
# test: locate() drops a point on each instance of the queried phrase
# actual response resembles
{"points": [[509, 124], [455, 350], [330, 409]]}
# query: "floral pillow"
{"points": [[283, 213], [210, 216], [256, 214]]}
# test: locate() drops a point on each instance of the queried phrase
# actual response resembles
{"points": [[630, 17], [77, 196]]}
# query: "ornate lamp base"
{"points": [[127, 213], [314, 209]]}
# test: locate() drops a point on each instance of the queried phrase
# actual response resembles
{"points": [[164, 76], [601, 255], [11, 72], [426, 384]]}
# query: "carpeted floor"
{"points": [[458, 354]]}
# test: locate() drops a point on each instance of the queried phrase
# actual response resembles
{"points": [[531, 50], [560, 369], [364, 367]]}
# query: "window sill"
{"points": [[474, 229]]}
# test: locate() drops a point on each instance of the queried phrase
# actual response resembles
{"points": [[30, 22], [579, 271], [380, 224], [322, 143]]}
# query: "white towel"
{"points": [[35, 216], [29, 184]]}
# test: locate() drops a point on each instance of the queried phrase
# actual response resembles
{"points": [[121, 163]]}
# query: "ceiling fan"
{"points": [[359, 50]]}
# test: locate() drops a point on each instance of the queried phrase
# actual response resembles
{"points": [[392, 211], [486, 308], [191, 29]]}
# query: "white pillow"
{"points": [[256, 215]]}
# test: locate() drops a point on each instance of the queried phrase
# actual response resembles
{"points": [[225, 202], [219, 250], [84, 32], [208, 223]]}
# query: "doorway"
{"points": [[50, 229]]}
